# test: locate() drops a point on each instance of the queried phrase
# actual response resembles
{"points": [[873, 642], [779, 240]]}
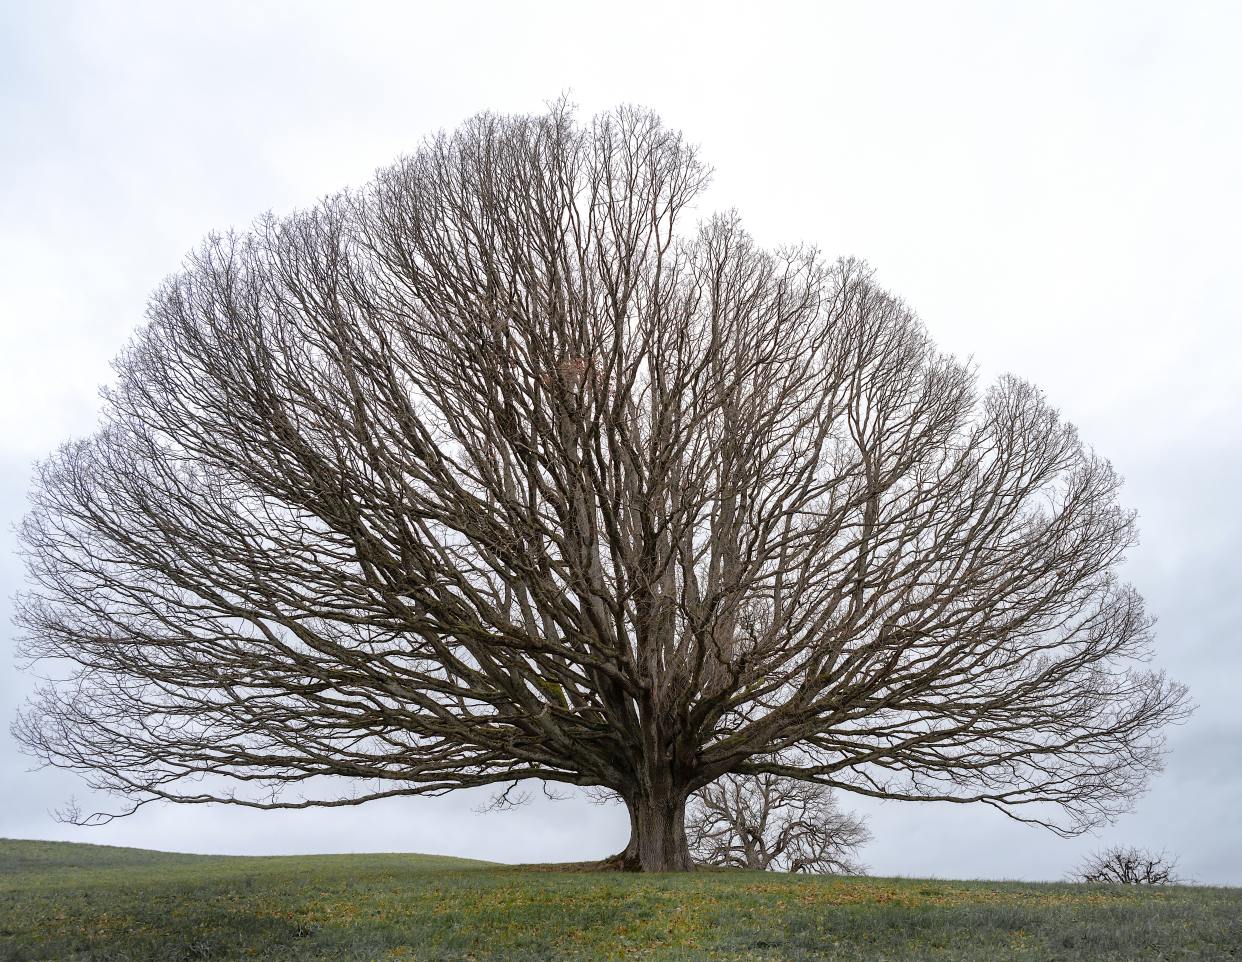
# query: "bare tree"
{"points": [[1127, 865], [771, 822], [492, 471]]}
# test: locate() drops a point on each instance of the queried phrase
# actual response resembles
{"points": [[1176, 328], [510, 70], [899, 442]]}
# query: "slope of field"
{"points": [[27, 856], [98, 904], [37, 860]]}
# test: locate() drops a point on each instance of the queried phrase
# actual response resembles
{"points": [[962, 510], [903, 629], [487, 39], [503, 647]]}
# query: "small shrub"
{"points": [[1127, 865]]}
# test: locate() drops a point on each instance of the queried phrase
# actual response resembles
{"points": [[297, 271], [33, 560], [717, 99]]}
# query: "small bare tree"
{"points": [[496, 469], [771, 822], [1127, 865]]}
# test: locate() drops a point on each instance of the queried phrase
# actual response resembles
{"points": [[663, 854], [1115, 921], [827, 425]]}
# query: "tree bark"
{"points": [[657, 836], [658, 832]]}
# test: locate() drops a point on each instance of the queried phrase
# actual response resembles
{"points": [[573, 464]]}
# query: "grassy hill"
{"points": [[37, 860], [28, 856], [88, 903]]}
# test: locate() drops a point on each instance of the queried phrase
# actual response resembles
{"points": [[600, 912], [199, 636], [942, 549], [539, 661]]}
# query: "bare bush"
{"points": [[770, 822], [1127, 865], [492, 470]]}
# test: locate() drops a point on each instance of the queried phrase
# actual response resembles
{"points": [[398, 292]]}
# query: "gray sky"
{"points": [[1054, 188]]}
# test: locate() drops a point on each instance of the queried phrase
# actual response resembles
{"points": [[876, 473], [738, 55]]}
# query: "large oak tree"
{"points": [[498, 469]]}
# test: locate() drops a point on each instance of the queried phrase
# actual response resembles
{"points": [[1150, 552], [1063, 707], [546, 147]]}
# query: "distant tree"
{"points": [[493, 471], [771, 822], [1128, 866]]}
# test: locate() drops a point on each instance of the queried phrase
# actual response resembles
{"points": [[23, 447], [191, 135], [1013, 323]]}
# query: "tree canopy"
{"points": [[501, 468]]}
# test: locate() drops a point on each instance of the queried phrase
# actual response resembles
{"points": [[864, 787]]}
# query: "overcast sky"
{"points": [[1056, 189]]}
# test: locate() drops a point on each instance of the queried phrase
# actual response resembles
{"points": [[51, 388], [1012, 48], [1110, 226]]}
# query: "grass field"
{"points": [[85, 902]]}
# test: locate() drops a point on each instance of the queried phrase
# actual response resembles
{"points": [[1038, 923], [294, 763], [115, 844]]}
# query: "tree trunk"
{"points": [[658, 832], [657, 836]]}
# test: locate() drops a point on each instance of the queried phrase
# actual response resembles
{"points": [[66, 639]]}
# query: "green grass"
{"points": [[89, 903]]}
